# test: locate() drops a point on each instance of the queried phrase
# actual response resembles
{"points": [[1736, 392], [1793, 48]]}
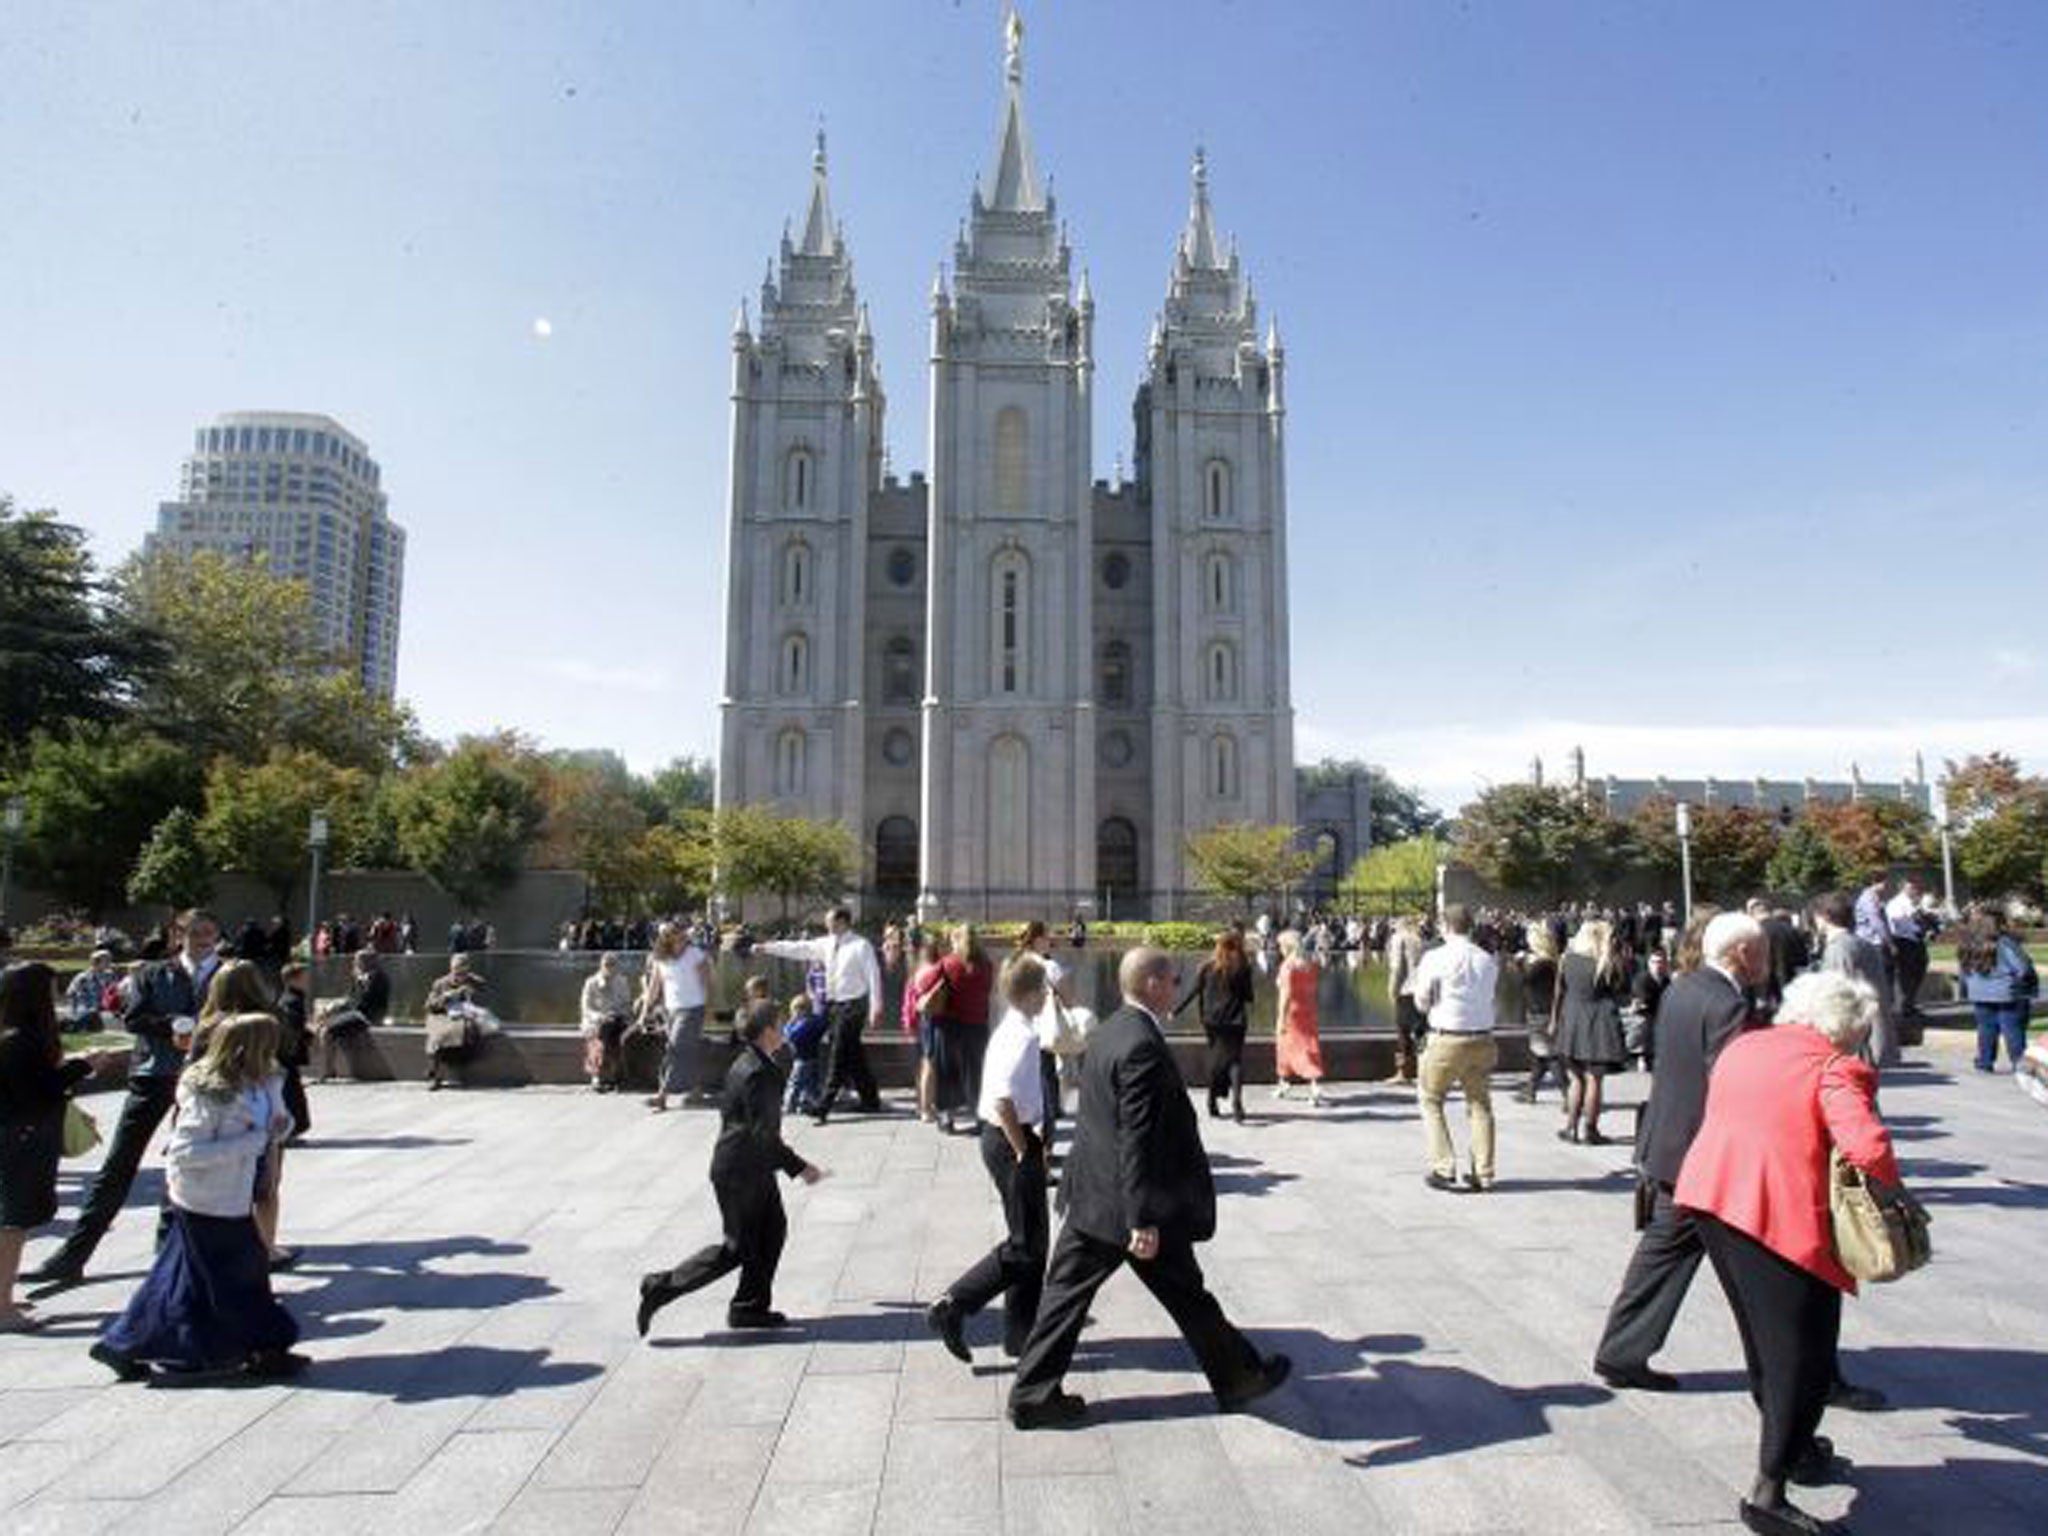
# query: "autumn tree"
{"points": [[1245, 861], [1540, 839]]}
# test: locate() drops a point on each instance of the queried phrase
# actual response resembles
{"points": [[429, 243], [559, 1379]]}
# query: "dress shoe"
{"points": [[754, 1317], [1857, 1399], [1272, 1370], [125, 1366], [1441, 1181], [1568, 1133], [1638, 1378], [275, 1364], [1476, 1184], [1056, 1412], [654, 1295], [1786, 1520], [945, 1320], [1820, 1467], [1594, 1137]]}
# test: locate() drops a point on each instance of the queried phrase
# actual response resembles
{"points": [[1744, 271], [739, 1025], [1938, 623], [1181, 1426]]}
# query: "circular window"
{"points": [[898, 748], [902, 567], [1116, 572], [1117, 750]]}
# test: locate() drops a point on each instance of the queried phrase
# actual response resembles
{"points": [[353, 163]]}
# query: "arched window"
{"points": [[796, 573], [1012, 460], [799, 480], [1009, 814], [1010, 623], [1115, 692], [1223, 767], [791, 763], [896, 858], [793, 674], [1219, 676], [1219, 583], [899, 671], [1216, 491]]}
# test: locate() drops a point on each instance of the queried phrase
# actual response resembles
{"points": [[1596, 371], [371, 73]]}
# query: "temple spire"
{"points": [[1013, 185], [1198, 244], [818, 226]]}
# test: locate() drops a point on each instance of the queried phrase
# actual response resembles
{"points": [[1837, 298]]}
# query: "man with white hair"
{"points": [[1702, 1011]]}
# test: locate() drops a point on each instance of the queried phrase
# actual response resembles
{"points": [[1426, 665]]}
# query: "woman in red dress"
{"points": [[1297, 1048]]}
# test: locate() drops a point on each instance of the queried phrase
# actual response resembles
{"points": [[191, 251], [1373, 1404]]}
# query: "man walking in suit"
{"points": [[749, 1153], [1702, 1011], [1138, 1191]]}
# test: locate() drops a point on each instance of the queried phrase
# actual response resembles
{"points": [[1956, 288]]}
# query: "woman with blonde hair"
{"points": [[1539, 1005], [240, 986], [206, 1304], [1297, 1042], [1592, 984], [963, 1030]]}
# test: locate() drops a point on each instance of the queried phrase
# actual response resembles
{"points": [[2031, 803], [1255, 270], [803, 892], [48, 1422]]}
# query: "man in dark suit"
{"points": [[1138, 1189], [749, 1153], [1700, 1013]]}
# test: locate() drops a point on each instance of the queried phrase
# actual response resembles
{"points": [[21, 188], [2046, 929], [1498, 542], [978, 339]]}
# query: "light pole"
{"points": [[1684, 818], [316, 844], [12, 824], [1948, 854]]}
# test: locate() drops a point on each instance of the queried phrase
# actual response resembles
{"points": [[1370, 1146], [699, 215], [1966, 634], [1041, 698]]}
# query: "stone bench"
{"points": [[520, 1055]]}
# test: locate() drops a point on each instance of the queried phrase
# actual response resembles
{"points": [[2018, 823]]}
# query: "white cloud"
{"points": [[1451, 762]]}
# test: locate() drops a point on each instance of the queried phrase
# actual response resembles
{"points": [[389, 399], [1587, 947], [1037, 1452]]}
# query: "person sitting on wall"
{"points": [[456, 1022], [340, 1022]]}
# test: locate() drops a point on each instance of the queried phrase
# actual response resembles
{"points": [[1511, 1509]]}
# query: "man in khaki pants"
{"points": [[1454, 984]]}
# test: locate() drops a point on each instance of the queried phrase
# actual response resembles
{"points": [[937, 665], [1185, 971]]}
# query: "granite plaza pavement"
{"points": [[468, 1285]]}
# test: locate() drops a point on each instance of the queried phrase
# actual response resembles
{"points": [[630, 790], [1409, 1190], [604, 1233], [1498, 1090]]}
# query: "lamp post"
{"points": [[1684, 818], [316, 844], [1948, 853], [12, 824]]}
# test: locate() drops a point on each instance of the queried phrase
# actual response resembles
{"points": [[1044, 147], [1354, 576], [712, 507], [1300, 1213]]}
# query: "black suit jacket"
{"points": [[1700, 1013], [750, 1145], [1137, 1159]]}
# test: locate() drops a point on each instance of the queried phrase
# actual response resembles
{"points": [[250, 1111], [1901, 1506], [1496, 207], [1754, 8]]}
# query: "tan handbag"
{"points": [[1879, 1235]]}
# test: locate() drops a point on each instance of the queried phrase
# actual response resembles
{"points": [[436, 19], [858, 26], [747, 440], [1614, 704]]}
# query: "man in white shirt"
{"points": [[1909, 946], [1011, 1107], [1454, 985], [853, 993]]}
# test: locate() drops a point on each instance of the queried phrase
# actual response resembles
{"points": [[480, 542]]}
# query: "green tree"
{"points": [[468, 819], [1398, 811], [758, 851], [91, 797], [1541, 840], [2000, 817], [1804, 862], [675, 864], [682, 785], [243, 670], [1731, 850], [258, 816], [1403, 871], [1245, 861], [595, 822], [173, 867], [1653, 836], [65, 657]]}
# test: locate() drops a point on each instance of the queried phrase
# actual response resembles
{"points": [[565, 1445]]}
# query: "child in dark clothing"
{"points": [[805, 1033]]}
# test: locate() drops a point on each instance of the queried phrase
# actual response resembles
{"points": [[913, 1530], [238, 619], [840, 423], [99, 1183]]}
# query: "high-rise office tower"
{"points": [[303, 492]]}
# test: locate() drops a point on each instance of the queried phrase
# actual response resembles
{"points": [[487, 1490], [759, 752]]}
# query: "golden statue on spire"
{"points": [[1013, 33]]}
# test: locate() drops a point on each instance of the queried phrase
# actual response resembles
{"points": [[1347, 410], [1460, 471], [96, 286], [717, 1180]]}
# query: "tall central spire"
{"points": [[817, 239], [1198, 242], [1012, 185]]}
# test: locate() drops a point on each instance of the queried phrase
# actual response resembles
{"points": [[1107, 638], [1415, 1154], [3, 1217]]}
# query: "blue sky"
{"points": [[1667, 378]]}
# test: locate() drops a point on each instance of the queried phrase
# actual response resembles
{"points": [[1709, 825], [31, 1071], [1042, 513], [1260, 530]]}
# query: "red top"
{"points": [[970, 986], [1778, 1100]]}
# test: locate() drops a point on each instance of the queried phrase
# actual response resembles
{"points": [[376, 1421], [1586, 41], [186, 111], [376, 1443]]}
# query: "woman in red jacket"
{"points": [[1756, 1182]]}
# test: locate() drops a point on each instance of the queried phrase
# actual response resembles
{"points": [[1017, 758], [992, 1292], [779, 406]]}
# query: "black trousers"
{"points": [[1079, 1266], [1910, 957], [755, 1228], [1791, 1325], [149, 1100], [1015, 1268], [848, 1066], [961, 1049], [1226, 1066], [1409, 1027], [295, 1101], [1659, 1274]]}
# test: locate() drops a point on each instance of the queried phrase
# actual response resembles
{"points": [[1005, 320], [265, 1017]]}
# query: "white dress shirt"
{"points": [[851, 970], [1461, 976], [1902, 914], [1010, 1071]]}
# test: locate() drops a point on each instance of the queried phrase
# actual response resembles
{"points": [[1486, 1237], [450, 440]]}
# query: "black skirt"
{"points": [[29, 1150], [206, 1303]]}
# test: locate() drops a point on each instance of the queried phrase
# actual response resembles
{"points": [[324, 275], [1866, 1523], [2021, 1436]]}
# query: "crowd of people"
{"points": [[1765, 1032]]}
